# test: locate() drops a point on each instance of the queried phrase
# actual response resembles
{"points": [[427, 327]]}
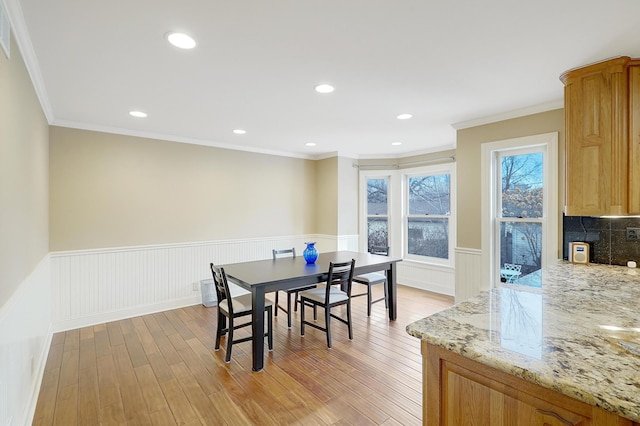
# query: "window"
{"points": [[429, 207], [519, 210], [520, 215], [412, 211], [377, 212]]}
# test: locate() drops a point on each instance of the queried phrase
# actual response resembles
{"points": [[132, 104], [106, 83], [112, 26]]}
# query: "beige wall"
{"points": [[111, 191], [468, 165], [24, 197], [347, 197], [327, 196]]}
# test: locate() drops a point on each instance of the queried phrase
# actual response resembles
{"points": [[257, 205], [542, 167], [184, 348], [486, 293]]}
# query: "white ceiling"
{"points": [[454, 62]]}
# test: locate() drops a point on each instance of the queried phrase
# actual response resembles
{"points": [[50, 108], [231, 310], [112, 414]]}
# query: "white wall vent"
{"points": [[5, 30]]}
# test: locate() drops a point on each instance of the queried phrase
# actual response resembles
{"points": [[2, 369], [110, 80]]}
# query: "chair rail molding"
{"points": [[96, 286]]}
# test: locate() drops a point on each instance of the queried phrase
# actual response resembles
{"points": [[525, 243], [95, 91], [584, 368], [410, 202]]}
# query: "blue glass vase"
{"points": [[310, 253]]}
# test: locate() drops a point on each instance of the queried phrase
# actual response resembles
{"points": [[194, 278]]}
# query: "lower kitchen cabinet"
{"points": [[461, 391]]}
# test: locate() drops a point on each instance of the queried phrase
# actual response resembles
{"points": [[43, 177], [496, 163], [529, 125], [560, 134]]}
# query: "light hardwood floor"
{"points": [[161, 369]]}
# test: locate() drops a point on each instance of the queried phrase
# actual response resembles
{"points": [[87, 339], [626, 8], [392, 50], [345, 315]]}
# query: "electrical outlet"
{"points": [[195, 286], [633, 234]]}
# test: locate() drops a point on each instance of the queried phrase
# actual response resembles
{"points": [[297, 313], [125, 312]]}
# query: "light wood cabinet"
{"points": [[634, 138], [596, 139], [461, 391]]}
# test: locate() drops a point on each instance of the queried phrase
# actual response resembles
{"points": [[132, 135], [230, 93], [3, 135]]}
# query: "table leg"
{"points": [[392, 291], [257, 328]]}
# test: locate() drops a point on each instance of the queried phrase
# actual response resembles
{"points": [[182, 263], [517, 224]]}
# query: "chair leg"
{"points": [[222, 322], [386, 297], [349, 320], [327, 319], [302, 306], [276, 312], [288, 310], [227, 357], [368, 300], [269, 328]]}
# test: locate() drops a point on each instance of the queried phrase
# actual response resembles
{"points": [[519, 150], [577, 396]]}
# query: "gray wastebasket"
{"points": [[208, 292]]}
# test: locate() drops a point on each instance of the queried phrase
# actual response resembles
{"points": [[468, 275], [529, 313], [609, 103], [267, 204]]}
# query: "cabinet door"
{"points": [[596, 139], [460, 391], [634, 139], [475, 400]]}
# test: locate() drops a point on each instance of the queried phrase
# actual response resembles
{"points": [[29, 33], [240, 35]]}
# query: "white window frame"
{"points": [[490, 222], [364, 214], [440, 169], [397, 210]]}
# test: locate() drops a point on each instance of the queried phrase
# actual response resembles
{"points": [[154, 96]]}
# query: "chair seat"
{"points": [[241, 304], [371, 278], [318, 295]]}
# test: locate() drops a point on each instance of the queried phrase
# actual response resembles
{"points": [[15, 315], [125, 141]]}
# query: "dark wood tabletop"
{"points": [[288, 272]]}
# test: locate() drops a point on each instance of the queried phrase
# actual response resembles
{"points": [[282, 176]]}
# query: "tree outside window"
{"points": [[377, 213], [522, 211], [429, 207]]}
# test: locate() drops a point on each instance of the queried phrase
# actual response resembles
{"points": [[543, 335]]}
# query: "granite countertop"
{"points": [[579, 334]]}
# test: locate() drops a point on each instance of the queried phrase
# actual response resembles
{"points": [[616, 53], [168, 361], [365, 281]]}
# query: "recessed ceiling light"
{"points": [[181, 40], [404, 116], [138, 114], [239, 131], [310, 144], [396, 143], [324, 88]]}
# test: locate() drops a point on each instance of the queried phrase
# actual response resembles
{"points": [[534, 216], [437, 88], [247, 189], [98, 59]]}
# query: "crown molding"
{"points": [[173, 138], [23, 41], [535, 109]]}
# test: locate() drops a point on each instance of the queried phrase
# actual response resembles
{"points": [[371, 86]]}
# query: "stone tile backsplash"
{"points": [[606, 237]]}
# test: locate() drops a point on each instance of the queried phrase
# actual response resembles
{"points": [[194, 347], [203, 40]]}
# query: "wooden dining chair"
{"points": [[231, 308], [337, 292], [290, 292], [373, 278]]}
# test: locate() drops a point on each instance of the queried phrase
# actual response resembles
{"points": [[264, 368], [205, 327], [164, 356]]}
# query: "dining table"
{"points": [[264, 276]]}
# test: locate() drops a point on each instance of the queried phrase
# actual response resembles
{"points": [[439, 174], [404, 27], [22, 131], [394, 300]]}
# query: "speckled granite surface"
{"points": [[578, 335]]}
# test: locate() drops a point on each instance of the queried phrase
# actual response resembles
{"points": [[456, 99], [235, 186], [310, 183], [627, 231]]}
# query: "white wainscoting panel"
{"points": [[25, 338], [468, 273], [97, 286], [346, 242], [437, 279]]}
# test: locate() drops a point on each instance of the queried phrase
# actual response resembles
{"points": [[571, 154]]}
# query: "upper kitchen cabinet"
{"points": [[602, 127], [634, 138]]}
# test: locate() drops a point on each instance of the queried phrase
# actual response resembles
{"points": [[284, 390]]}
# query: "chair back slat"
{"points": [[340, 274], [277, 253], [222, 286]]}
